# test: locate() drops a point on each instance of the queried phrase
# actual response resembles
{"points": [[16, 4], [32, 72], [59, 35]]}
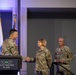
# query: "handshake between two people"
{"points": [[59, 61], [27, 59]]}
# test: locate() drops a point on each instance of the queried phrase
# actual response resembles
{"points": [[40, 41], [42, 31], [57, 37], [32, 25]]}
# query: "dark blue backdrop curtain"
{"points": [[6, 17]]}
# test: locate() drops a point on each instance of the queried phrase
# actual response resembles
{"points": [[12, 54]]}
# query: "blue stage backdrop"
{"points": [[6, 18]]}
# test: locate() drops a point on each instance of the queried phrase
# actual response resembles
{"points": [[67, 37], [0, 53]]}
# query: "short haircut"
{"points": [[61, 38], [43, 41], [12, 31]]}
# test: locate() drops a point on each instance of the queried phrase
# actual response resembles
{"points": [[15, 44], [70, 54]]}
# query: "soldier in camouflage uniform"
{"points": [[9, 46], [64, 56], [43, 58]]}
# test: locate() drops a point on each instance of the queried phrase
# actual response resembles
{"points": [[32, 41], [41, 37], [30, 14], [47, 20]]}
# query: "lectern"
{"points": [[10, 65]]}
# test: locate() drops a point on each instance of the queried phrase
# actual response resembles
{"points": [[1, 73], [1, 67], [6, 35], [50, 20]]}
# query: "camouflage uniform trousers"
{"points": [[61, 71], [42, 73]]}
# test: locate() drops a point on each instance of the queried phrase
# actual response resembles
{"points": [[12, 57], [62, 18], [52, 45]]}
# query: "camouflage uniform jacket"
{"points": [[9, 47], [43, 60], [64, 54]]}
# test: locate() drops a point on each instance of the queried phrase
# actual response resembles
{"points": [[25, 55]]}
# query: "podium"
{"points": [[10, 65]]}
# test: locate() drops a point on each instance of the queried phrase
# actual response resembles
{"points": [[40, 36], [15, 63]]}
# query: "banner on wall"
{"points": [[14, 26], [1, 35]]}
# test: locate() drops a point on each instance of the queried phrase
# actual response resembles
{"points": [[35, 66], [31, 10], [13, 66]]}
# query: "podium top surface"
{"points": [[10, 57]]}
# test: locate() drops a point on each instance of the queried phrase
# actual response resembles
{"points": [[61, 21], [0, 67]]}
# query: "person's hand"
{"points": [[27, 59], [56, 61], [15, 53], [23, 58], [61, 61]]}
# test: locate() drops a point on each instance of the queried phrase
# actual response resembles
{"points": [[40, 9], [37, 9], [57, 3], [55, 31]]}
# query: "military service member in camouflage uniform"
{"points": [[9, 46], [64, 56], [43, 58]]}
